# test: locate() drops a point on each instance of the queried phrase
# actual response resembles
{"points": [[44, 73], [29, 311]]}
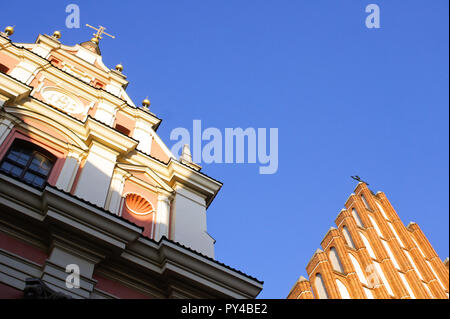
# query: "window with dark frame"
{"points": [[28, 162], [3, 68]]}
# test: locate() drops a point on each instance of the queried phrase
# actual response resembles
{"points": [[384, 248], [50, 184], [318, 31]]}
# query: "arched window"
{"points": [[417, 245], [413, 264], [3, 68], [28, 162], [342, 290], [358, 269], [365, 202], [335, 261], [396, 234], [375, 225], [391, 255], [382, 210], [320, 287], [368, 246], [348, 237], [357, 218]]}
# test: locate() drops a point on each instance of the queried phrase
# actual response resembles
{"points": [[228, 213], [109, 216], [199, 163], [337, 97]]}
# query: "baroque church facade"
{"points": [[86, 182]]}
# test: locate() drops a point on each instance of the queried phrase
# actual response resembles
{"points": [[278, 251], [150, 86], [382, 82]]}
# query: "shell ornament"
{"points": [[138, 205]]}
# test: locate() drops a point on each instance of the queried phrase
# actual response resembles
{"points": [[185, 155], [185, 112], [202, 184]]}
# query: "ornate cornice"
{"points": [[119, 239]]}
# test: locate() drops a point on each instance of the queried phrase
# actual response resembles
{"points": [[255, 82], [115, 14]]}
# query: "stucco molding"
{"points": [[62, 215], [12, 90]]}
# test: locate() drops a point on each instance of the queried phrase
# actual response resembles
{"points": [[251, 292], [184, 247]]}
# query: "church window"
{"points": [[342, 289], [365, 202], [28, 162], [348, 237], [357, 218], [335, 261], [368, 246], [3, 68], [320, 287]]}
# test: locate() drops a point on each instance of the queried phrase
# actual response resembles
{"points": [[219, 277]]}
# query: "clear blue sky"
{"points": [[347, 100]]}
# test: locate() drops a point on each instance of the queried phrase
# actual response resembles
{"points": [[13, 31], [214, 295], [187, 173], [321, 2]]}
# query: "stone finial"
{"points": [[186, 158], [301, 279], [410, 224], [186, 153]]}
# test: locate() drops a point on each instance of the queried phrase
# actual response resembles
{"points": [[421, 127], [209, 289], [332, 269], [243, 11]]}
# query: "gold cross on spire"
{"points": [[100, 31]]}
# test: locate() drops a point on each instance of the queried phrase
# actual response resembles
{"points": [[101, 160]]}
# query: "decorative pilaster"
{"points": [[95, 177], [70, 169], [143, 133], [105, 113], [162, 222], [114, 199], [25, 71], [5, 128]]}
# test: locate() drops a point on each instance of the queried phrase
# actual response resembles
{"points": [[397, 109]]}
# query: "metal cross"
{"points": [[100, 32], [357, 178]]}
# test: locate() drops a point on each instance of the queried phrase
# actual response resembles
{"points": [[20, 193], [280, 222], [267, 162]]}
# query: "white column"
{"points": [[69, 171], [162, 217], [143, 133], [95, 177], [114, 198], [5, 128]]}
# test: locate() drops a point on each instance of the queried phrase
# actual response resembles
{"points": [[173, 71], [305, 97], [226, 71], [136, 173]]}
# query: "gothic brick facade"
{"points": [[372, 255]]}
